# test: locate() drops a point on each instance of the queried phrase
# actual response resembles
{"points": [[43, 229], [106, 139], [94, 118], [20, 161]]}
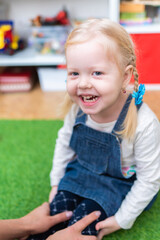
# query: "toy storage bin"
{"points": [[15, 82], [49, 39], [52, 79]]}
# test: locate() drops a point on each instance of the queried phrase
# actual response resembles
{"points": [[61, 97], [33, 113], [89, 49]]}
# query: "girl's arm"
{"points": [[63, 153], [53, 192], [147, 157]]}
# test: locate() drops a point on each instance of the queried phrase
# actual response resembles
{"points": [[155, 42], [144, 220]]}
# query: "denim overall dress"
{"points": [[96, 172]]}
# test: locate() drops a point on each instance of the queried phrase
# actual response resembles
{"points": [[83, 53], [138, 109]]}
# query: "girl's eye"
{"points": [[97, 73], [74, 74]]}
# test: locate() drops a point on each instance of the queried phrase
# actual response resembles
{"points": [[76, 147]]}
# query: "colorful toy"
{"points": [[49, 34], [9, 43], [60, 19]]}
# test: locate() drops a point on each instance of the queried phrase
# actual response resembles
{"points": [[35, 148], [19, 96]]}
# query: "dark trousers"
{"points": [[66, 201]]}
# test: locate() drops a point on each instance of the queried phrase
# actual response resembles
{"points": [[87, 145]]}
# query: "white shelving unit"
{"points": [[29, 57], [153, 28], [148, 28]]}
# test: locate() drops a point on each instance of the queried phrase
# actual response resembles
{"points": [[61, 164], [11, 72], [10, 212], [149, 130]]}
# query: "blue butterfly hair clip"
{"points": [[139, 95]]}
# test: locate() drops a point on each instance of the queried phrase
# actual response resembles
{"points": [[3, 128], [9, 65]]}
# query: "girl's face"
{"points": [[94, 81]]}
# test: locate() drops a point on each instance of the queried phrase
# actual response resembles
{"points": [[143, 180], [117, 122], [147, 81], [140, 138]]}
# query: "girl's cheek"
{"points": [[71, 85], [70, 89], [68, 85]]}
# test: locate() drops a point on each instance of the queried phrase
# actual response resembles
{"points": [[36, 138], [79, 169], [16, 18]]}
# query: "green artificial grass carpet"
{"points": [[26, 151]]}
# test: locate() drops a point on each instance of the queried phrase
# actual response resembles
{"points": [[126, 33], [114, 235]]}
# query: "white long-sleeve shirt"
{"points": [[143, 154]]}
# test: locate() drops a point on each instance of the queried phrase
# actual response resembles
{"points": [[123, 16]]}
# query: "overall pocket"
{"points": [[92, 154]]}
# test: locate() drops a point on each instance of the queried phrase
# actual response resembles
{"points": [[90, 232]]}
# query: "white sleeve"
{"points": [[147, 184], [63, 153]]}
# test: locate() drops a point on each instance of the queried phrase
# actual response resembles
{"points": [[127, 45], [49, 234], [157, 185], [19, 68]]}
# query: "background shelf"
{"points": [[29, 57], [148, 28]]}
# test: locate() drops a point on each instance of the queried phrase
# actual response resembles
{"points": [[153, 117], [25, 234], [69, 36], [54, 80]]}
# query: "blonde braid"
{"points": [[130, 122], [135, 74]]}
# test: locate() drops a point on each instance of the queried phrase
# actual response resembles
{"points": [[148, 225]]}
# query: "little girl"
{"points": [[107, 154]]}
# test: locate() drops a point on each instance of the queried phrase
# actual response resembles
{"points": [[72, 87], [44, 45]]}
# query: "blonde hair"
{"points": [[110, 30]]}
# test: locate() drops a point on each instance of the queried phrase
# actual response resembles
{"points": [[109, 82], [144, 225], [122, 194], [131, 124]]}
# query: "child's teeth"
{"points": [[89, 98]]}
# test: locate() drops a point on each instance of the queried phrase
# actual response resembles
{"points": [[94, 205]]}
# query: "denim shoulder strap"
{"points": [[122, 116], [81, 117]]}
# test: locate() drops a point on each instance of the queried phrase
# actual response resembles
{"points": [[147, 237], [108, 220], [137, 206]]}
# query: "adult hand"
{"points": [[108, 226], [74, 232], [39, 220], [52, 194]]}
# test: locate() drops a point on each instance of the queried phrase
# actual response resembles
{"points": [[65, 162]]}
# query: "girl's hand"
{"points": [[108, 226], [52, 194]]}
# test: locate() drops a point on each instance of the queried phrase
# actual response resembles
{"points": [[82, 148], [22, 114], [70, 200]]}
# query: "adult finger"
{"points": [[84, 222], [88, 237], [23, 238], [61, 217], [43, 208]]}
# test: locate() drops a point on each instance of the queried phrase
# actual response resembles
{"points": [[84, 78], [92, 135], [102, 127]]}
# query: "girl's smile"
{"points": [[89, 99]]}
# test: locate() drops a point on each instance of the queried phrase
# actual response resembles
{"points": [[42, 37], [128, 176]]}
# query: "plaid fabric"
{"points": [[81, 207]]}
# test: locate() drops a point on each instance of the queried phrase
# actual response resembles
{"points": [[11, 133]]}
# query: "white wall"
{"points": [[21, 11]]}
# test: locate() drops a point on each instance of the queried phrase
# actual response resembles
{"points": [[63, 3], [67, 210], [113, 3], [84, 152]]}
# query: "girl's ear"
{"points": [[127, 75]]}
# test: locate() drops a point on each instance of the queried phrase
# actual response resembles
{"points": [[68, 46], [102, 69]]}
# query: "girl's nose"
{"points": [[84, 82]]}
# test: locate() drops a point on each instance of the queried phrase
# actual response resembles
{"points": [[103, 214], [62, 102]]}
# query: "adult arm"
{"points": [[74, 232], [39, 220]]}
